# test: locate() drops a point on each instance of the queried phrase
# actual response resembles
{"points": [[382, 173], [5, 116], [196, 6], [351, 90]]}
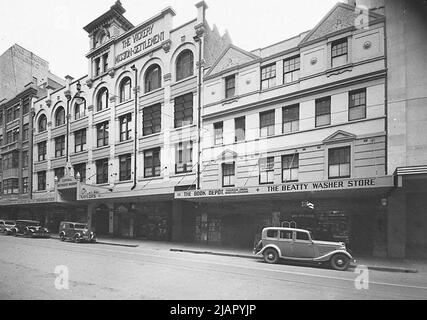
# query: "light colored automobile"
{"points": [[6, 226], [298, 245]]}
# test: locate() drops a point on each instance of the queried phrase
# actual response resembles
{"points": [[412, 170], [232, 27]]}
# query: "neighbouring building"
{"points": [[23, 77], [112, 147]]}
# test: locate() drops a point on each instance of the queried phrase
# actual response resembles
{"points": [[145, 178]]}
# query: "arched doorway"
{"points": [[101, 220]]}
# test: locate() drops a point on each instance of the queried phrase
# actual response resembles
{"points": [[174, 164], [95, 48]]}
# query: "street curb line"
{"points": [[109, 243], [377, 268]]}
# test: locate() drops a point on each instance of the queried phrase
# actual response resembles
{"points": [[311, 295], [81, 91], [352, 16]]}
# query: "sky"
{"points": [[53, 29]]}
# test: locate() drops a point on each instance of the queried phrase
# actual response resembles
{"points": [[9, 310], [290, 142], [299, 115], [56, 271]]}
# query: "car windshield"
{"points": [[80, 226], [32, 223]]}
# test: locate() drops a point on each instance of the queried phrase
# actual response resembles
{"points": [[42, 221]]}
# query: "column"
{"points": [[397, 225], [177, 234]]}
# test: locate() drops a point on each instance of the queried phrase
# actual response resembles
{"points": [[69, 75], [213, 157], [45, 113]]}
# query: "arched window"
{"points": [[59, 117], [153, 78], [102, 99], [184, 65], [42, 123], [125, 89], [79, 108]]}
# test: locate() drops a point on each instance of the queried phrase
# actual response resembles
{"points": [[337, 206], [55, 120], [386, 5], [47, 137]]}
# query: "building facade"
{"points": [[295, 134], [128, 131]]}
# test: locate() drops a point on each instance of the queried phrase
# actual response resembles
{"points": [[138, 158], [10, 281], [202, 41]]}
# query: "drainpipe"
{"points": [[199, 120], [135, 176]]}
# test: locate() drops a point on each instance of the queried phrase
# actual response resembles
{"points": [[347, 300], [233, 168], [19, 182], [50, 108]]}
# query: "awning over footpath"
{"points": [[320, 189]]}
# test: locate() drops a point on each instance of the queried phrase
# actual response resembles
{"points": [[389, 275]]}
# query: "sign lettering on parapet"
{"points": [[342, 184], [139, 42]]}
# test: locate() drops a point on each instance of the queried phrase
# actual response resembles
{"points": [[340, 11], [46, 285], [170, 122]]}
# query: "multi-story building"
{"points": [[111, 148], [24, 77], [295, 134]]}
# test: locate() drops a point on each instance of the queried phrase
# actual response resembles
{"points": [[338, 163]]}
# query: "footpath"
{"points": [[379, 264]]}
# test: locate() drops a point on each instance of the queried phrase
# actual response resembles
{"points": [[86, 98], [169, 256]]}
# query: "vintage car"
{"points": [[28, 228], [77, 232], [298, 245], [6, 226]]}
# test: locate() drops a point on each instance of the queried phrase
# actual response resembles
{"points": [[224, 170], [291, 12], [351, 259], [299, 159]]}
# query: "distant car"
{"points": [[6, 226], [28, 228], [298, 245], [77, 232]]}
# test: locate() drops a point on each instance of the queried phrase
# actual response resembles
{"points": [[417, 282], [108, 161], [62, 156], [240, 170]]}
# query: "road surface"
{"points": [[96, 271]]}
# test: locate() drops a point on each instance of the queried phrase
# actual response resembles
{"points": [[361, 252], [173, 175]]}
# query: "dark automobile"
{"points": [[77, 232], [6, 226], [30, 228]]}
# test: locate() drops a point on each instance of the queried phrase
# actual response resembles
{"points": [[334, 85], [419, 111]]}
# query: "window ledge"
{"points": [[153, 92], [123, 103], [78, 153], [40, 162], [230, 100], [119, 143], [101, 148], [185, 79], [150, 135], [102, 111], [150, 179], [79, 120]]}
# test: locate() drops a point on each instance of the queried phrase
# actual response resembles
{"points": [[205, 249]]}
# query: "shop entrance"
{"points": [[101, 220]]}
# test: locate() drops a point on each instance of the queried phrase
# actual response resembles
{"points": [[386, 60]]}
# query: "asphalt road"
{"points": [[95, 271]]}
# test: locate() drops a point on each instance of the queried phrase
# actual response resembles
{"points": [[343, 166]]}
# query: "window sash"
{"points": [[184, 65], [152, 119], [152, 163], [268, 76], [266, 170], [184, 157], [80, 140], [219, 133], [228, 174], [240, 129], [153, 79], [184, 110], [125, 127], [80, 168], [102, 171], [102, 133], [41, 150], [339, 162], [357, 105], [59, 146], [41, 181], [125, 167], [339, 48], [230, 86]]}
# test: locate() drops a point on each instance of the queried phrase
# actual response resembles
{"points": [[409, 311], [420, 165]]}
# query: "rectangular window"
{"points": [[291, 69], [102, 171], [59, 173], [41, 149], [230, 86], [268, 76], [15, 134], [125, 127], [184, 110], [339, 163], [218, 133], [290, 168], [125, 167], [184, 157], [11, 186], [228, 174], [25, 106], [339, 52], [41, 180], [152, 119], [266, 170], [97, 67], [26, 132], [290, 118], [267, 122], [102, 134], [11, 160], [240, 129], [152, 163], [80, 169], [323, 112], [1, 118], [9, 137], [16, 112], [105, 62], [80, 140], [25, 159], [9, 115], [357, 105], [25, 188], [59, 146]]}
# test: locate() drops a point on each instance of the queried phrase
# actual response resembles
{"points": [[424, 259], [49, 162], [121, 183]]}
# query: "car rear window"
{"points": [[303, 236], [272, 233]]}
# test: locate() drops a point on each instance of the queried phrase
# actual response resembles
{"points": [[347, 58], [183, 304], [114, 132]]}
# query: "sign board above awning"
{"points": [[289, 188]]}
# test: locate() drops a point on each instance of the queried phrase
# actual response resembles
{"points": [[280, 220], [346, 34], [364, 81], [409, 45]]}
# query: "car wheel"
{"points": [[340, 262], [14, 233], [76, 239], [271, 256], [62, 237]]}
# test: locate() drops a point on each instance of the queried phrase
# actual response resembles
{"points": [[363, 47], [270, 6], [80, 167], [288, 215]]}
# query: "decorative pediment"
{"points": [[339, 136], [227, 155], [342, 16], [231, 57]]}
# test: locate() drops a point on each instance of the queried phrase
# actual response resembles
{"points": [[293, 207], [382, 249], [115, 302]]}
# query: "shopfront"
{"points": [[351, 211]]}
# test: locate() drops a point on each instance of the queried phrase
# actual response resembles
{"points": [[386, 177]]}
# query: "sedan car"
{"points": [[298, 245], [30, 228], [6, 226], [77, 232]]}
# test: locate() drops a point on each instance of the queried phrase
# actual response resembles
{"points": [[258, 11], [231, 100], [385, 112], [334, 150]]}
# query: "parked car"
{"points": [[6, 226], [77, 232], [30, 228], [298, 245]]}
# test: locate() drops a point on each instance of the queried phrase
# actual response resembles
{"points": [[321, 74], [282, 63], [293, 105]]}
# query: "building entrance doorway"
{"points": [[101, 220]]}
